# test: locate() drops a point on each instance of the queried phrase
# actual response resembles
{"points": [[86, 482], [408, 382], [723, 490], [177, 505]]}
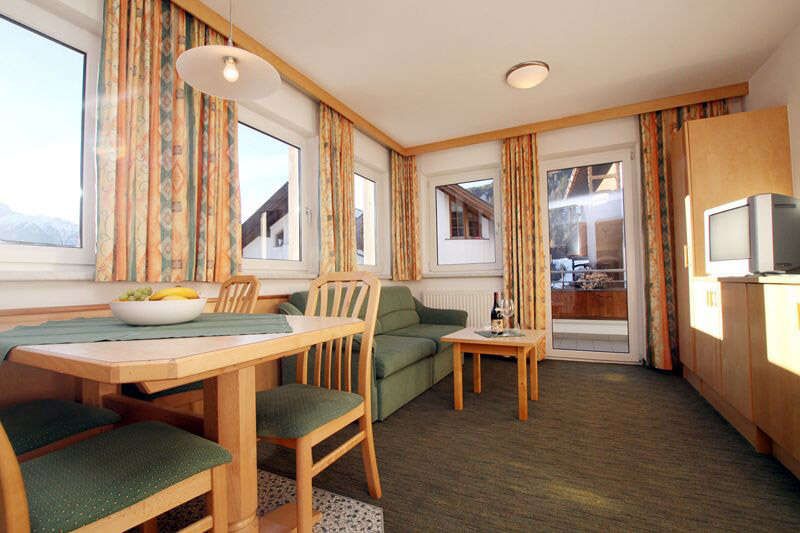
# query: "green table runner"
{"points": [[110, 329]]}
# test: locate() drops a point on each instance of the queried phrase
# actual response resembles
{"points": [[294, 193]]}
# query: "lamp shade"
{"points": [[205, 69], [528, 74]]}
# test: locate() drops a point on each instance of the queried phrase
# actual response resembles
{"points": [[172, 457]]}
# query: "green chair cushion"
{"points": [[130, 389], [37, 423], [394, 353], [428, 331], [97, 477], [295, 410]]}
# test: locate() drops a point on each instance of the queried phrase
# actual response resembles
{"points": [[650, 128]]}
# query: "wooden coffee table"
{"points": [[523, 348]]}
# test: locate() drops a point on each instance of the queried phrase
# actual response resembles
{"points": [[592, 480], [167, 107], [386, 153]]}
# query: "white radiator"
{"points": [[477, 304]]}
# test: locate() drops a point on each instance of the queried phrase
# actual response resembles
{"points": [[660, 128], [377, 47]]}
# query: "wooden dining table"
{"points": [[226, 364]]}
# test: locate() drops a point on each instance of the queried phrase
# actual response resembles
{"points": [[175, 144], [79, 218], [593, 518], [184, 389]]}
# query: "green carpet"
{"points": [[606, 447]]}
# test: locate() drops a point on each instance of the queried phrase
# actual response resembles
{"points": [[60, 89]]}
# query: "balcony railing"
{"points": [[572, 279]]}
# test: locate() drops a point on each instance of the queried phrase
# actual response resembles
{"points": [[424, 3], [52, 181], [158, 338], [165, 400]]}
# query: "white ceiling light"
{"points": [[228, 71], [528, 74]]}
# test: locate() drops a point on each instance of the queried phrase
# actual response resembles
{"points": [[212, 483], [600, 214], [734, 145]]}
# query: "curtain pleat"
{"points": [[524, 264], [336, 198], [656, 130], [168, 186], [406, 248]]}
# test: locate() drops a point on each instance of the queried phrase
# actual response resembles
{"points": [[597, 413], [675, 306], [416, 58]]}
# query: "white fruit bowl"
{"points": [[158, 313]]}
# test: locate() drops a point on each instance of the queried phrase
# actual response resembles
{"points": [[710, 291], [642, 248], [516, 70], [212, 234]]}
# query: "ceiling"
{"points": [[428, 70]]}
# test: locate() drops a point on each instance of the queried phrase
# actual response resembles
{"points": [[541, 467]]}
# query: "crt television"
{"points": [[755, 235]]}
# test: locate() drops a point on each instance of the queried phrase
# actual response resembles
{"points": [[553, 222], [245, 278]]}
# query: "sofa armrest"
{"points": [[429, 315], [286, 308]]}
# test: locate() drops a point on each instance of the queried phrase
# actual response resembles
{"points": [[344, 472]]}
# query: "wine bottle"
{"points": [[497, 317]]}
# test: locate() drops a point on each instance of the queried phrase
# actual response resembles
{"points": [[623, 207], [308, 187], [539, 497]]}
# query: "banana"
{"points": [[186, 292], [174, 297]]}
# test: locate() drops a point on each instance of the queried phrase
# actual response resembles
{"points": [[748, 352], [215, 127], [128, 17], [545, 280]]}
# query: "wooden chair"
{"points": [[39, 427], [113, 482], [300, 415], [237, 294]]}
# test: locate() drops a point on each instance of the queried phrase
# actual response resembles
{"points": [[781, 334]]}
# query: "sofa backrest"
{"points": [[397, 308]]}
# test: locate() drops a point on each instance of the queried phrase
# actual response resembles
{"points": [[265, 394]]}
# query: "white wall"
{"points": [[777, 82]]}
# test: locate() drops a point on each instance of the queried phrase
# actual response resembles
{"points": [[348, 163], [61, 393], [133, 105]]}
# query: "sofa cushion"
{"points": [[299, 300], [97, 477], [428, 331], [395, 353], [397, 309]]}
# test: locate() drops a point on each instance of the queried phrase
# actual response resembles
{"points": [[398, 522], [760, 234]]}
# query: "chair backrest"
{"points": [[345, 294], [14, 516], [238, 294]]}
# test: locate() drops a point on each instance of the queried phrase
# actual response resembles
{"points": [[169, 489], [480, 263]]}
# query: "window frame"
{"points": [[382, 266], [34, 261], [432, 268], [308, 265]]}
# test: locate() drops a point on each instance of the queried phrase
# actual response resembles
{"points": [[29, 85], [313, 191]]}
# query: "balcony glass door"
{"points": [[594, 256]]}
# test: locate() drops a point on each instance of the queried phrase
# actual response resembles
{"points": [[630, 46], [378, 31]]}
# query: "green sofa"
{"points": [[408, 357]]}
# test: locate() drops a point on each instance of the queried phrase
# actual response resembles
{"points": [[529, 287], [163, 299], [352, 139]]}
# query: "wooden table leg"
{"points": [[476, 373], [522, 383], [534, 372], [458, 392], [230, 419], [92, 392]]}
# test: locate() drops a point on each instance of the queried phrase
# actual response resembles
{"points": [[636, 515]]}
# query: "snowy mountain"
{"points": [[36, 229]]}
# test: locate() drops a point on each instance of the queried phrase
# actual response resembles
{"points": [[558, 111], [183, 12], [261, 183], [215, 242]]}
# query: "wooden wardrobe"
{"points": [[714, 161]]}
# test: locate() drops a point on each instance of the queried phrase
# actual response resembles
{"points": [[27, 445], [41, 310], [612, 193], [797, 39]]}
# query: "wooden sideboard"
{"points": [[21, 383], [747, 363], [738, 338]]}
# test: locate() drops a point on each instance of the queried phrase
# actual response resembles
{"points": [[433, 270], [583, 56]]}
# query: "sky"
{"points": [[41, 108], [263, 167]]}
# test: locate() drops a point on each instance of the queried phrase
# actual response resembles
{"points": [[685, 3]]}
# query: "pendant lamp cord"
{"points": [[230, 22]]}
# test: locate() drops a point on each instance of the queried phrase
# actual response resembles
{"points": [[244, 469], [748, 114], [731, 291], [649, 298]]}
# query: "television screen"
{"points": [[729, 235]]}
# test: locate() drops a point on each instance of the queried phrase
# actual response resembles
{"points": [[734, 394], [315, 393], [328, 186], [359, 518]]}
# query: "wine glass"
{"points": [[507, 310]]}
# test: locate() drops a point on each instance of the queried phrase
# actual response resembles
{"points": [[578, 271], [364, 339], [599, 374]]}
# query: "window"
{"points": [[465, 222], [365, 220], [40, 197], [456, 219], [47, 181], [269, 178], [278, 166]]}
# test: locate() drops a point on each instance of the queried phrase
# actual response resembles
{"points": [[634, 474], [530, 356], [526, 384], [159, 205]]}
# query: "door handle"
{"points": [[685, 256]]}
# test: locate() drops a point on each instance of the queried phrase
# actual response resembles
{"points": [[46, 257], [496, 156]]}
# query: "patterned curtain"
{"points": [[524, 263], [168, 187], [655, 130], [406, 259], [336, 198]]}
